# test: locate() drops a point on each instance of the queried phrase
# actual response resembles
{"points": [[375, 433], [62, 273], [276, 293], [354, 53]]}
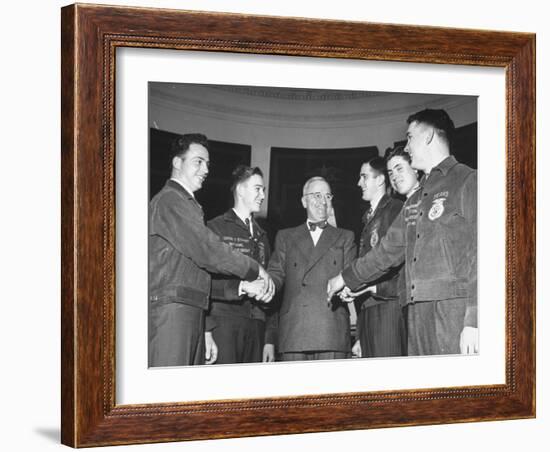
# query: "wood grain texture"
{"points": [[90, 36], [67, 227]]}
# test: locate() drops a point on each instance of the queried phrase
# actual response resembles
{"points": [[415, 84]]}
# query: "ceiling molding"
{"points": [[297, 94], [327, 118]]}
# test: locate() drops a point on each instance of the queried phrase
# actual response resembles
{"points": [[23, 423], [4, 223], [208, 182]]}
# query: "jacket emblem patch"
{"points": [[437, 209], [374, 238]]}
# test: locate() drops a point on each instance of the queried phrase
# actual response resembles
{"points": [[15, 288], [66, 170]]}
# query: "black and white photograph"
{"points": [[295, 224]]}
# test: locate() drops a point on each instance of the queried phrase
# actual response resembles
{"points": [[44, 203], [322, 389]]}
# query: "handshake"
{"points": [[262, 289], [337, 285]]}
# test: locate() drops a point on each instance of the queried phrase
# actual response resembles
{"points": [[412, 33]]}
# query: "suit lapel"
{"points": [[303, 241], [327, 239], [376, 220], [379, 208]]}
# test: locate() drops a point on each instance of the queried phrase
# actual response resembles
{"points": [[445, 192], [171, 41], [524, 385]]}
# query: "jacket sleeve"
{"points": [[272, 311], [389, 253], [223, 288], [271, 326], [469, 208], [350, 249], [209, 323], [176, 221], [276, 268]]}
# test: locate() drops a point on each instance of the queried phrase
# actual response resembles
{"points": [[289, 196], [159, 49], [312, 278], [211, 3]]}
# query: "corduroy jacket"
{"points": [[436, 236], [183, 251]]}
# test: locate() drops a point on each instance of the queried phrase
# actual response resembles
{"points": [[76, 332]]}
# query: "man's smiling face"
{"points": [[194, 166]]}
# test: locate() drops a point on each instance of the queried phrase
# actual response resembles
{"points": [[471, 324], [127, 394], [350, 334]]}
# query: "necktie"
{"points": [[319, 224], [247, 222], [368, 215]]}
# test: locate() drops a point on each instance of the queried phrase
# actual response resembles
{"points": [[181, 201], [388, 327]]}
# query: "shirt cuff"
{"points": [[470, 319], [210, 323]]}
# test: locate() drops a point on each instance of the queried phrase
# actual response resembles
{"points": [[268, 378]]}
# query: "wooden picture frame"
{"points": [[90, 36]]}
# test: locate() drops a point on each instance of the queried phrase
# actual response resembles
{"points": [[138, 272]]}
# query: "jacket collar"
{"points": [[329, 235], [304, 242], [384, 200], [173, 184], [231, 217], [179, 188], [445, 166]]}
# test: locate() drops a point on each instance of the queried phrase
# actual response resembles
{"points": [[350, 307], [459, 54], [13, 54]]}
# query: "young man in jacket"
{"points": [[436, 237], [182, 254], [242, 327], [380, 323]]}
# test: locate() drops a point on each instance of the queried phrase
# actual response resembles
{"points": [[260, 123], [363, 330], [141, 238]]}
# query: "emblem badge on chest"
{"points": [[374, 238], [437, 209]]}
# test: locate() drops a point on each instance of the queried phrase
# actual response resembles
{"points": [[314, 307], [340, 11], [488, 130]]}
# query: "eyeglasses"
{"points": [[318, 196]]}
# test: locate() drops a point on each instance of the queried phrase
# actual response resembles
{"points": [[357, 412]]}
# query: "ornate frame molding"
{"points": [[90, 37]]}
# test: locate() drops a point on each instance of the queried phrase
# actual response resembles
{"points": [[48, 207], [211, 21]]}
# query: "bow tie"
{"points": [[319, 224]]}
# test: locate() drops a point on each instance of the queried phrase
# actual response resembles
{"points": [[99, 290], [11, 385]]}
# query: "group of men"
{"points": [[413, 280]]}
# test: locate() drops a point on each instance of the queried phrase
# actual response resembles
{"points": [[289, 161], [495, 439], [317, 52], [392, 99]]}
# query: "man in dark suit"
{"points": [[304, 259]]}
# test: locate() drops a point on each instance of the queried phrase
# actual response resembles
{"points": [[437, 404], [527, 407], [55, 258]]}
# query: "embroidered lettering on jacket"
{"points": [[412, 212], [237, 244]]}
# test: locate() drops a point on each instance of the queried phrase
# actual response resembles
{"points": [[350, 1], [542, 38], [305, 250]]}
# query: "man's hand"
{"points": [[348, 296], [211, 349], [269, 353], [469, 340], [269, 286], [334, 286], [356, 349], [253, 288]]}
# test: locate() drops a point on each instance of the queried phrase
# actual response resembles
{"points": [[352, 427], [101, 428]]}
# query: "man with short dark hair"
{"points": [[436, 237], [380, 323], [404, 179], [242, 327], [182, 252]]}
